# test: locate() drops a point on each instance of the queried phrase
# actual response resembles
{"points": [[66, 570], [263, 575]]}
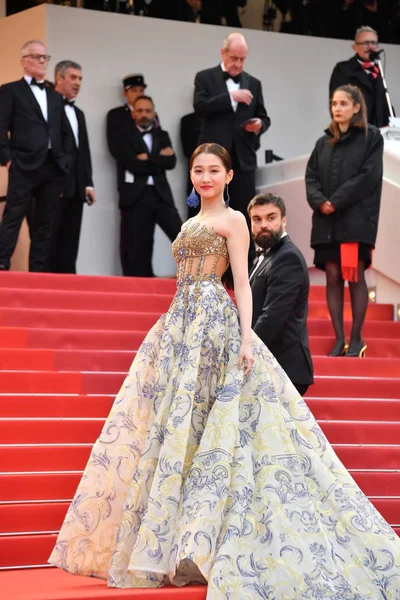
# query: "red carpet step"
{"points": [[54, 584], [28, 487], [60, 457], [81, 431], [47, 517], [81, 405], [15, 359], [72, 382]]}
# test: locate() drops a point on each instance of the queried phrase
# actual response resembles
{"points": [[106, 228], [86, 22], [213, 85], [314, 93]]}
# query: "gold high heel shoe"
{"points": [[339, 349], [359, 351]]}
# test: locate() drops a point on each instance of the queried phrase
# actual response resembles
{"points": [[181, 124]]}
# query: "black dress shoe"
{"points": [[357, 350], [339, 349]]}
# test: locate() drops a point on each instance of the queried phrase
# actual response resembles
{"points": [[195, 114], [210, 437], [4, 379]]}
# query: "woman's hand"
{"points": [[246, 359], [327, 208]]}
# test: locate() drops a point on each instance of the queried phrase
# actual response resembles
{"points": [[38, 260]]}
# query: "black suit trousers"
{"points": [[137, 231], [67, 232], [46, 186], [242, 189]]}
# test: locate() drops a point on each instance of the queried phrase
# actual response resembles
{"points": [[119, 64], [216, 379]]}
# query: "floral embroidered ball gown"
{"points": [[202, 474]]}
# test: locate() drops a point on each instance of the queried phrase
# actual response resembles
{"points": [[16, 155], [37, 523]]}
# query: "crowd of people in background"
{"points": [[324, 18]]}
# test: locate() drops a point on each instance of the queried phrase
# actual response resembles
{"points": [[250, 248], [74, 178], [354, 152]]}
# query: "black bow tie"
{"points": [[40, 84], [236, 79], [68, 102], [261, 252], [143, 133]]}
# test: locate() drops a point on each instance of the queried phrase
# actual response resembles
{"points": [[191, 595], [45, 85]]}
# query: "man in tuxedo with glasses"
{"points": [[35, 145], [361, 71]]}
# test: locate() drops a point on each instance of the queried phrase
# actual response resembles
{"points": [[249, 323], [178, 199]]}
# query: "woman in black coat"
{"points": [[344, 184]]}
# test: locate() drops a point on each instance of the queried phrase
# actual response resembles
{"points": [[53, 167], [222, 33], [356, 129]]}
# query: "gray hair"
{"points": [[233, 37], [25, 47], [364, 29], [62, 67]]}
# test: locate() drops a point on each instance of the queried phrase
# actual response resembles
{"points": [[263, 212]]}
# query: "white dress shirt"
{"points": [[148, 140], [73, 121], [40, 96], [232, 86]]}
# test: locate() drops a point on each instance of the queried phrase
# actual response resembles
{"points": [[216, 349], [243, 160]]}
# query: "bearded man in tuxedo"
{"points": [[280, 286]]}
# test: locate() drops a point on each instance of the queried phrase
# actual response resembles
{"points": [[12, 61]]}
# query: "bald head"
{"points": [[234, 53]]}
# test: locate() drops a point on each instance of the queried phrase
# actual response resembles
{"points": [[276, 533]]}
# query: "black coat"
{"points": [[80, 175], [22, 118], [130, 144], [350, 71], [349, 174], [220, 123], [280, 290], [118, 119]]}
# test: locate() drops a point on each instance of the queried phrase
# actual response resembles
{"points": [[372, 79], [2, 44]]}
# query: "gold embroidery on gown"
{"points": [[202, 474]]}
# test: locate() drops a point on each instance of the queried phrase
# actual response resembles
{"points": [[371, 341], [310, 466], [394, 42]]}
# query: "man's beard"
{"points": [[269, 240]]}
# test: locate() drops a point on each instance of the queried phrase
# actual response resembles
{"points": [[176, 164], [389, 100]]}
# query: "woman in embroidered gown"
{"points": [[210, 466]]}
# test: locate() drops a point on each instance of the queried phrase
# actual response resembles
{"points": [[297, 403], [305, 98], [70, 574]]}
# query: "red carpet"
{"points": [[53, 584], [61, 364]]}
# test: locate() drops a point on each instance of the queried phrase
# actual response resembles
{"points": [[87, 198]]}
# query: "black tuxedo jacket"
{"points": [[280, 290], [80, 175], [220, 123], [118, 119], [130, 144], [350, 71], [24, 133]]}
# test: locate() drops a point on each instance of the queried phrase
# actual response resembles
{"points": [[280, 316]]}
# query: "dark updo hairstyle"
{"points": [[215, 149], [359, 120]]}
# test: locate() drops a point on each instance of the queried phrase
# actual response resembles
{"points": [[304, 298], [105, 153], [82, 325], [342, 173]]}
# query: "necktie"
{"points": [[143, 133], [40, 84], [260, 251], [68, 102], [236, 79], [371, 69]]}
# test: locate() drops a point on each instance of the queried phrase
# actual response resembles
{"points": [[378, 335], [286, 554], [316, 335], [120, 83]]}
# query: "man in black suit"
{"points": [[143, 155], [35, 145], [79, 183], [280, 285], [119, 118], [364, 73], [230, 103]]}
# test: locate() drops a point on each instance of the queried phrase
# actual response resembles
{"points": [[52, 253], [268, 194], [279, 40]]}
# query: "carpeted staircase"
{"points": [[66, 343]]}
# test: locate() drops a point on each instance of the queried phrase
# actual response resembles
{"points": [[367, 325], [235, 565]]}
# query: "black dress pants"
{"points": [[45, 184], [242, 189], [137, 231], [67, 232]]}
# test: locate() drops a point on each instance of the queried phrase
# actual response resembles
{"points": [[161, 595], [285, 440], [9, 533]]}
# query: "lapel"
{"points": [[220, 81], [263, 266], [80, 126], [30, 96], [156, 141], [360, 74], [244, 85]]}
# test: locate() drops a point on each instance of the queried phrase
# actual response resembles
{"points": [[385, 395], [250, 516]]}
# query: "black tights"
{"points": [[335, 299]]}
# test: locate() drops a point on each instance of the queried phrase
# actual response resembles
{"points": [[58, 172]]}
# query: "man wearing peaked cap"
{"points": [[119, 118]]}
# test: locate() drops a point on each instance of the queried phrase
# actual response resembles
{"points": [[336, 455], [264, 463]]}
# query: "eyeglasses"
{"points": [[38, 57], [367, 43]]}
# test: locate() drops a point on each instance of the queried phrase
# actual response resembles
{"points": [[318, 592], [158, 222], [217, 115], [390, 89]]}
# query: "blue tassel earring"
{"points": [[227, 197], [193, 199]]}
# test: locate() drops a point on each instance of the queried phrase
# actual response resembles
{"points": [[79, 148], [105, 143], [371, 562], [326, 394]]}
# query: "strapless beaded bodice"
{"points": [[201, 254]]}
